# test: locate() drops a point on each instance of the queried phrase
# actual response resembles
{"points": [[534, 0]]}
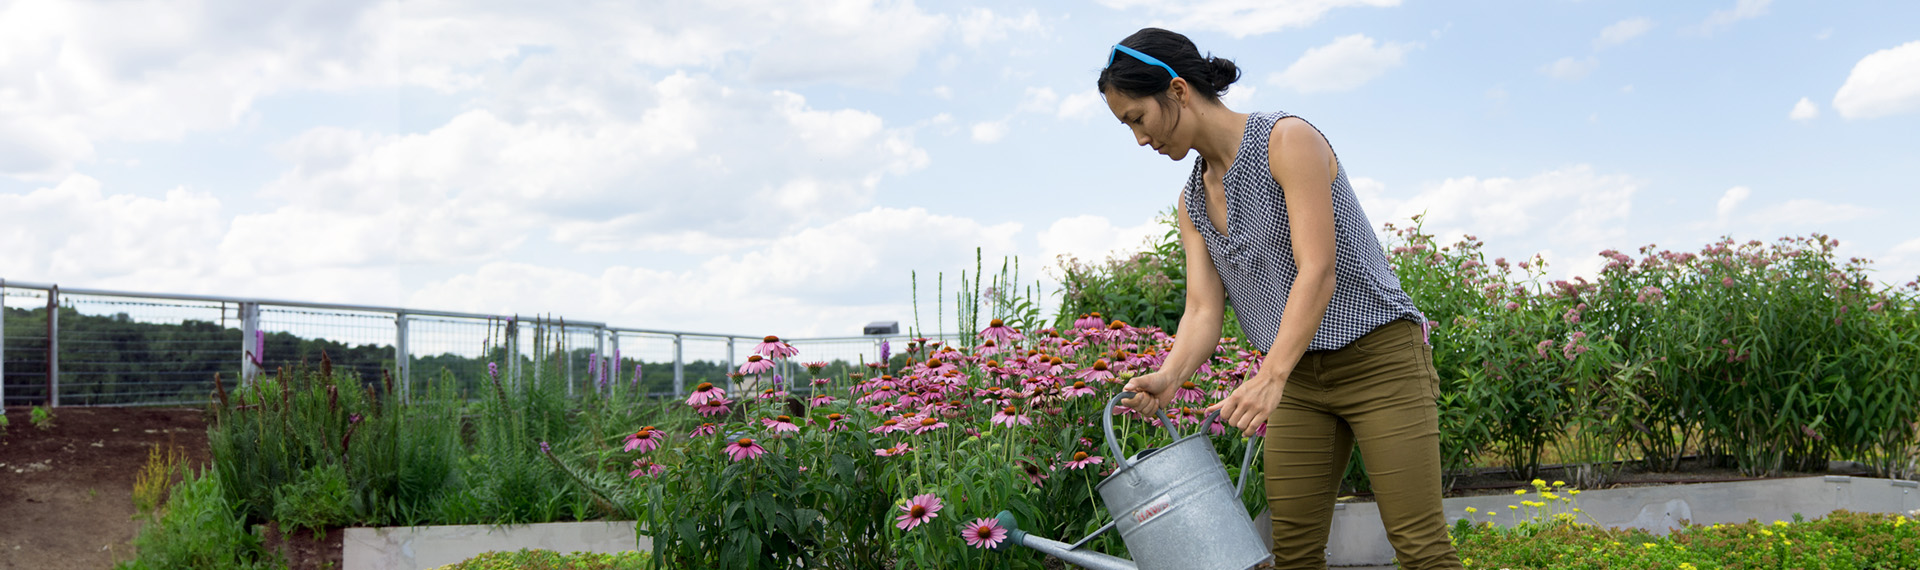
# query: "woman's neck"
{"points": [[1218, 140]]}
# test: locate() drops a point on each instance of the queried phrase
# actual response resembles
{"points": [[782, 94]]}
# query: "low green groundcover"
{"points": [[550, 560], [1842, 540]]}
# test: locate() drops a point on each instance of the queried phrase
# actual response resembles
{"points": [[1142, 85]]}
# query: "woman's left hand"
{"points": [[1249, 405]]}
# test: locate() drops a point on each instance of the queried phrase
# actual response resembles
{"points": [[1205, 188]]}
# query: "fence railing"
{"points": [[95, 347]]}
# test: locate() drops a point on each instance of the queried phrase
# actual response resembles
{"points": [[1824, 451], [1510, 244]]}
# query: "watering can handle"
{"points": [[1246, 458], [1106, 422]]}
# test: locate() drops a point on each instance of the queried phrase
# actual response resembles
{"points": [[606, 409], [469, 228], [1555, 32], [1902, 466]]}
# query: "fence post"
{"points": [[679, 369], [3, 343], [53, 347], [250, 362], [728, 372], [401, 354], [614, 378], [599, 365], [513, 351], [566, 351]]}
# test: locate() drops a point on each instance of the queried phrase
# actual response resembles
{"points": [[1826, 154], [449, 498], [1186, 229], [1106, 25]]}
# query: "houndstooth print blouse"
{"points": [[1255, 258]]}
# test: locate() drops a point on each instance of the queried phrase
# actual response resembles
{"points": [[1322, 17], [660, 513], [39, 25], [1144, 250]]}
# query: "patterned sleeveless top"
{"points": [[1255, 257]]}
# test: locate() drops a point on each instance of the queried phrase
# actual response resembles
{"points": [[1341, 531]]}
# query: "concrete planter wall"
{"points": [[1358, 539], [422, 547]]}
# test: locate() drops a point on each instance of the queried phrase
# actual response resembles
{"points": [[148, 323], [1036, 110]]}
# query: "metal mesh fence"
{"points": [[23, 347], [361, 342], [116, 351], [116, 348]]}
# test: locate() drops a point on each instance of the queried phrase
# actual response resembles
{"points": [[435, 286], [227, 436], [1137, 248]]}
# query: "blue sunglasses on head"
{"points": [[1144, 58]]}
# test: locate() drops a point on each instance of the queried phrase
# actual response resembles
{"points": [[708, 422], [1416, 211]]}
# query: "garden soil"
{"points": [[66, 492]]}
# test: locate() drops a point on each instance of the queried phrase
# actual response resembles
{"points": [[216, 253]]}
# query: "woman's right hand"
{"points": [[1151, 391]]}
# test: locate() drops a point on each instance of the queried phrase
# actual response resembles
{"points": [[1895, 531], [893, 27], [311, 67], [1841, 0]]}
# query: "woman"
{"points": [[1270, 224]]}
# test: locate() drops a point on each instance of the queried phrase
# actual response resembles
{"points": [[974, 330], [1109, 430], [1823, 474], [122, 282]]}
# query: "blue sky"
{"points": [[762, 166]]}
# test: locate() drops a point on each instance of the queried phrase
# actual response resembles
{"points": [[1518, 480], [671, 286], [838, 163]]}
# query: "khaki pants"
{"points": [[1379, 391]]}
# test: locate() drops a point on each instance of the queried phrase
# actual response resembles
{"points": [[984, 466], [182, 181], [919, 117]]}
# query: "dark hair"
{"points": [[1208, 75]]}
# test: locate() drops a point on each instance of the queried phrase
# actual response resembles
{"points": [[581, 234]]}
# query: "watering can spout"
{"points": [[1076, 556]]}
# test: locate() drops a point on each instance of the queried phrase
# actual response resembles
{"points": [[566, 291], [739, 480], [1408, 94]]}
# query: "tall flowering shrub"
{"points": [[1767, 357], [906, 463]]}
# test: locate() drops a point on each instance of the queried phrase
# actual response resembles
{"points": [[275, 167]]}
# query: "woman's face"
{"points": [[1153, 124]]}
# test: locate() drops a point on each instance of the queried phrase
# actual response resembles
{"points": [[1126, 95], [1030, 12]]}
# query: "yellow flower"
{"points": [[1766, 532], [1647, 545], [1539, 483], [1519, 491], [1514, 507], [1780, 523], [1687, 566], [1471, 510], [1559, 483], [1548, 495], [1576, 509], [1574, 492]]}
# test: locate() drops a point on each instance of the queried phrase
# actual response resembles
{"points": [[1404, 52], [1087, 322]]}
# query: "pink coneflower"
{"points": [[780, 424], [1189, 392], [1078, 389], [647, 439], [988, 348], [704, 429], [891, 425], [815, 367], [984, 533], [744, 448], [921, 509], [937, 366], [1092, 321], [998, 331], [897, 449], [1081, 460], [714, 407], [771, 393], [1097, 373], [771, 347], [644, 467], [929, 424], [1009, 416], [1034, 472], [756, 364], [834, 421], [819, 400], [704, 392], [820, 381]]}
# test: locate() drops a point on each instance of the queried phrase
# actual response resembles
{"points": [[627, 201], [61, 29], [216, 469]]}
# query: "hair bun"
{"points": [[1221, 72]]}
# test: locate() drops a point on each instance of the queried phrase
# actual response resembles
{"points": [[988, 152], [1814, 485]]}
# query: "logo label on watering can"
{"points": [[1151, 510]]}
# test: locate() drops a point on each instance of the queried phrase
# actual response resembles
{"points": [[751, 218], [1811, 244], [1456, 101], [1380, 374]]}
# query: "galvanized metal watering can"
{"points": [[1172, 505]]}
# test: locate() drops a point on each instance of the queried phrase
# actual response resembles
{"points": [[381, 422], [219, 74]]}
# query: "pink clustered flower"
{"points": [[1081, 460], [984, 533], [918, 511], [645, 440], [744, 448], [771, 347]]}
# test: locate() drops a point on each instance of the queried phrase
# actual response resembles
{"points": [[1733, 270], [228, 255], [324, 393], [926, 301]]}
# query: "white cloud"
{"points": [[1346, 63], [1721, 20], [1093, 238], [989, 131], [81, 72], [980, 26], [1081, 105], [73, 231], [692, 166], [1621, 32], [1239, 97], [1804, 110], [1040, 100], [1571, 209], [1723, 211], [1885, 82], [823, 280], [1241, 18], [1569, 68]]}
